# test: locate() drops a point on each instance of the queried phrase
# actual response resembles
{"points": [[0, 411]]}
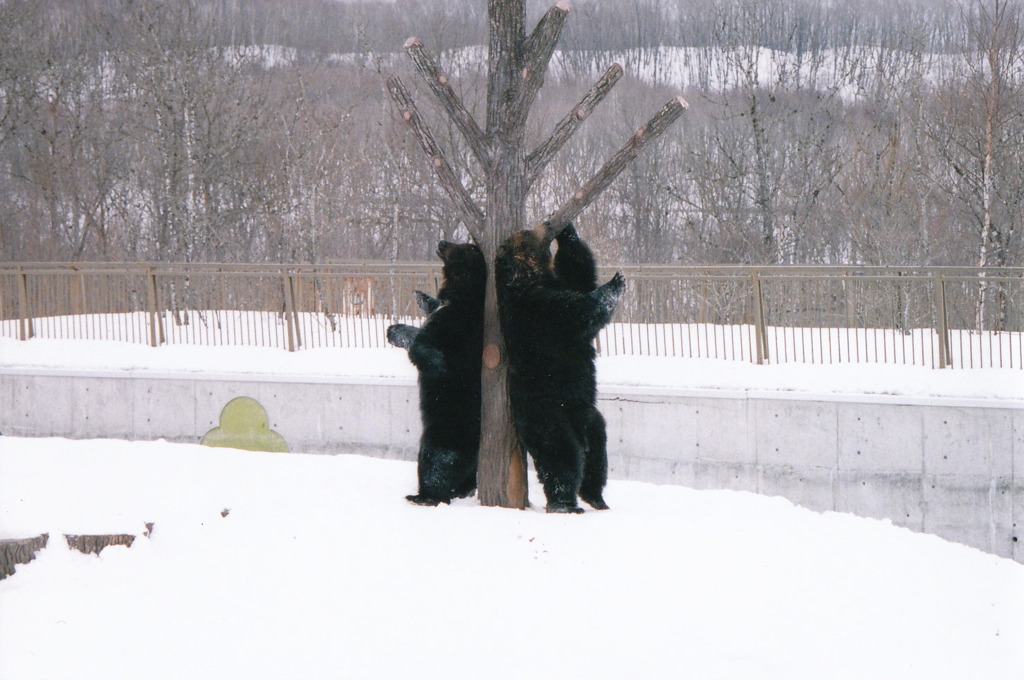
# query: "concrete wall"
{"points": [[942, 466]]}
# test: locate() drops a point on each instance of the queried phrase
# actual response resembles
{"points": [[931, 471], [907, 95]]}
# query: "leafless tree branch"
{"points": [[537, 51], [437, 80], [471, 215], [586, 194], [542, 155]]}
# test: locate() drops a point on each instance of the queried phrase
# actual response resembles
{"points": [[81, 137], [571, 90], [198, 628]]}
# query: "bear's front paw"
{"points": [[426, 303], [402, 335], [610, 293], [567, 234], [617, 285]]}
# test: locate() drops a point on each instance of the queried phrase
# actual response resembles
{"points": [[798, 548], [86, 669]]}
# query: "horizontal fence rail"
{"points": [[929, 316]]}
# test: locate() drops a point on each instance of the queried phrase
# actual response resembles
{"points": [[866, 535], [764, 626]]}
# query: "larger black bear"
{"points": [[550, 314], [447, 351]]}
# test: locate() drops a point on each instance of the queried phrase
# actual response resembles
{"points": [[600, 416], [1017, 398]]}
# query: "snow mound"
{"points": [[301, 566]]}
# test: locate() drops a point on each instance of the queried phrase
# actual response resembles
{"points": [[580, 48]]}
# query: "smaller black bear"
{"points": [[446, 351], [549, 324]]}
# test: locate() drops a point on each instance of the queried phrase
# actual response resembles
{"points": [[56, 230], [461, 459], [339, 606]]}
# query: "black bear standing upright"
{"points": [[550, 314], [446, 351]]}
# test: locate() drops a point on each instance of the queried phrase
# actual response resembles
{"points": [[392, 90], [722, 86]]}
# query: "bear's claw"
{"points": [[595, 502], [564, 509], [422, 499]]}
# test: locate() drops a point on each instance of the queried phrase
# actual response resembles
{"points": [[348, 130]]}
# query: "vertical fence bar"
{"points": [[760, 332], [25, 330], [942, 323], [291, 319], [156, 335]]}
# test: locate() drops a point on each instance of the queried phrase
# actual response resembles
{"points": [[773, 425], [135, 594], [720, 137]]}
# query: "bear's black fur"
{"points": [[446, 351], [550, 314], [575, 267]]}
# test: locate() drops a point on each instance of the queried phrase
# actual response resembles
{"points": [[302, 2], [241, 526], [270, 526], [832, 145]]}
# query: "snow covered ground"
{"points": [[302, 566]]}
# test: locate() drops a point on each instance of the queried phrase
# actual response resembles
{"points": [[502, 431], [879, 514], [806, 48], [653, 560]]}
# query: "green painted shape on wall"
{"points": [[244, 425]]}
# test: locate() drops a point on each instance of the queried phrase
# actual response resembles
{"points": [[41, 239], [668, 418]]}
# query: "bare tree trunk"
{"points": [[517, 64], [997, 30]]}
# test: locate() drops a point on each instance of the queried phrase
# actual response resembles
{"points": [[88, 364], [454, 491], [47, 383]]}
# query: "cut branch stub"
{"points": [[492, 356], [537, 51], [552, 20], [437, 81], [471, 215], [542, 155], [586, 194]]}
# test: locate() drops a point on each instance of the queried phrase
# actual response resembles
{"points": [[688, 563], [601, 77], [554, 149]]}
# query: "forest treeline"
{"points": [[850, 131]]}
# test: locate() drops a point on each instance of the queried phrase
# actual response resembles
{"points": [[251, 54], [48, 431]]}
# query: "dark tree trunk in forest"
{"points": [[517, 63]]}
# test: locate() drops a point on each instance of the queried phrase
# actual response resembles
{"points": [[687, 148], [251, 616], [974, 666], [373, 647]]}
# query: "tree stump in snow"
{"points": [[96, 543], [19, 551]]}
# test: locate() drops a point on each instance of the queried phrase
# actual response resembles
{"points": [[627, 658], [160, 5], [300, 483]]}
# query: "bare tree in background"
{"points": [[849, 131], [773, 140], [995, 28], [979, 132], [196, 115], [517, 63]]}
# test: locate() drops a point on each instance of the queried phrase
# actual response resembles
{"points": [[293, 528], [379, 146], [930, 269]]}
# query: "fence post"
{"points": [[942, 323], [25, 330], [156, 321], [760, 332], [291, 318]]}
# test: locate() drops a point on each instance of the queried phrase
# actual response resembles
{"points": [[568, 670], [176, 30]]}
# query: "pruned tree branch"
{"points": [[586, 194], [537, 51], [542, 155], [437, 81], [471, 215]]}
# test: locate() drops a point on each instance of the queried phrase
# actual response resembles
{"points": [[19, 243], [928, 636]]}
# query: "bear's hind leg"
{"points": [[558, 456], [595, 465], [435, 467], [467, 486]]}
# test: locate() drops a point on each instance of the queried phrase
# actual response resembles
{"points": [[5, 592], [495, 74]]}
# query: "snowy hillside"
{"points": [[298, 566]]}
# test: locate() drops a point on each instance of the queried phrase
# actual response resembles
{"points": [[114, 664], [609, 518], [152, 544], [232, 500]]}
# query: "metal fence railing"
{"points": [[929, 316]]}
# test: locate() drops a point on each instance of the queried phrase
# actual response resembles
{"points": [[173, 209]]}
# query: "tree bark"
{"points": [[501, 468]]}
